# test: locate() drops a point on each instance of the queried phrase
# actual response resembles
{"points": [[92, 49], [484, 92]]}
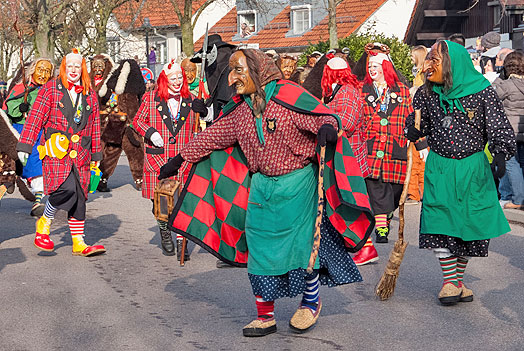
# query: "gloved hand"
{"points": [[326, 134], [413, 134], [198, 106], [156, 139], [23, 156], [423, 154], [498, 165], [23, 107], [171, 168]]}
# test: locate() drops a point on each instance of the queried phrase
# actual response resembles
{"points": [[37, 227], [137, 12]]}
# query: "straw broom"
{"points": [[386, 285]]}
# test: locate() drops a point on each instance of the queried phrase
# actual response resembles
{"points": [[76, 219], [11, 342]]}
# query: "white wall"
{"points": [[392, 18], [211, 15]]}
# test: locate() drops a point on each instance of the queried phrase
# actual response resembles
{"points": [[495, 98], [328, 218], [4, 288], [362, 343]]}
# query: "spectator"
{"points": [[511, 92], [499, 62], [458, 38], [244, 30], [152, 56]]}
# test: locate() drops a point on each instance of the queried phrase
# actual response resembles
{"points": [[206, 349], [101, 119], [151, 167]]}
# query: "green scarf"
{"points": [[195, 83], [269, 90], [466, 79]]}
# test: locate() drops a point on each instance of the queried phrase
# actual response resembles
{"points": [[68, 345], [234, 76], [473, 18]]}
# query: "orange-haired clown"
{"points": [[67, 106]]}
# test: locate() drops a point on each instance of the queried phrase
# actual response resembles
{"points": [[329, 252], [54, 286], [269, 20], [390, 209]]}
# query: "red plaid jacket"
{"points": [[347, 104], [53, 111], [154, 116], [386, 142]]}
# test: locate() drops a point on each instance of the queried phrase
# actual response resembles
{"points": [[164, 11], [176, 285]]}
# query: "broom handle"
{"points": [[406, 181], [318, 221]]}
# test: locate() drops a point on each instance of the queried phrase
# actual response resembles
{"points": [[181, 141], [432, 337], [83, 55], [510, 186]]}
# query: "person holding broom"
{"points": [[277, 125], [460, 113]]}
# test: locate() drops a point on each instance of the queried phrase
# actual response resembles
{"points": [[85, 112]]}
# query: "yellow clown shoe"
{"points": [[80, 248], [42, 240]]}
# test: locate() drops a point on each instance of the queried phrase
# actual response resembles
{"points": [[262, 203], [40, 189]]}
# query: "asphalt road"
{"points": [[134, 298]]}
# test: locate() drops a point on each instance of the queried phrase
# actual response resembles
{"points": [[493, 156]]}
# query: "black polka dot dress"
{"points": [[336, 268]]}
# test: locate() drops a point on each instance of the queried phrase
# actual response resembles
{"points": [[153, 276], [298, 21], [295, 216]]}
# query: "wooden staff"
{"points": [[386, 286], [316, 237]]}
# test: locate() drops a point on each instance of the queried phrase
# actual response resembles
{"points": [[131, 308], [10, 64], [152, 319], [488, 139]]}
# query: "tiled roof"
{"points": [[350, 16], [226, 27], [161, 13]]}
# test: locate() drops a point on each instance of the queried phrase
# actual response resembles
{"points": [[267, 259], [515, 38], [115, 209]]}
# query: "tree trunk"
{"points": [[332, 24], [187, 37], [101, 35], [44, 45]]}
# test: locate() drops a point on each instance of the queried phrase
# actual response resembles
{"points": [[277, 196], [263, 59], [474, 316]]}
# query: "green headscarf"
{"points": [[466, 79]]}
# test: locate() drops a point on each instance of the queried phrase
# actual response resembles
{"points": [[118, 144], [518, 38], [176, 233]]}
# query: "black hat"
{"points": [[213, 39]]}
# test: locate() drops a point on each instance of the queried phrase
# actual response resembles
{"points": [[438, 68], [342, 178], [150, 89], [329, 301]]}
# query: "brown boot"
{"points": [[467, 294], [449, 294]]}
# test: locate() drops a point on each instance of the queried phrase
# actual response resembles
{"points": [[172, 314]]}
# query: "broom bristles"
{"points": [[386, 285]]}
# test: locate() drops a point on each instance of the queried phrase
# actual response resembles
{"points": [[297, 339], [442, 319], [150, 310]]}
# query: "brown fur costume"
{"points": [[9, 164], [127, 82]]}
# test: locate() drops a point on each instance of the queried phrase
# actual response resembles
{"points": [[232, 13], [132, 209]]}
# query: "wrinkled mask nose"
{"points": [[426, 66]]}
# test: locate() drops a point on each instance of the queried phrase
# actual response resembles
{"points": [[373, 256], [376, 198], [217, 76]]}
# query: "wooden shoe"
{"points": [[449, 294], [260, 327], [304, 318], [467, 294]]}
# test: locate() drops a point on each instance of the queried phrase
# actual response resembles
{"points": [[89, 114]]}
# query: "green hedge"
{"points": [[400, 52]]}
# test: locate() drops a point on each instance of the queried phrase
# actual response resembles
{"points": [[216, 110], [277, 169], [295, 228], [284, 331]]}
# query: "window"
{"points": [[113, 48], [301, 19], [247, 23]]}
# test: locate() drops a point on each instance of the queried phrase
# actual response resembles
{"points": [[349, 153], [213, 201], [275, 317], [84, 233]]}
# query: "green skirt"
{"points": [[280, 221], [460, 199]]}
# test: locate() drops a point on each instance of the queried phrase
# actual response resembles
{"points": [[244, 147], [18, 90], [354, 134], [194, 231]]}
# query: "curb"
{"points": [[514, 215]]}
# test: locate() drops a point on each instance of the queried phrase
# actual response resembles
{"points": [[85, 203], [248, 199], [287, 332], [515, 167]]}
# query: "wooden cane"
{"points": [[386, 286], [184, 240], [318, 221]]}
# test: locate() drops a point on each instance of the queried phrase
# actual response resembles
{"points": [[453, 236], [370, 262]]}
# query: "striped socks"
{"points": [[265, 309], [75, 226], [381, 220], [38, 195], [449, 270], [461, 267], [50, 210], [311, 295]]}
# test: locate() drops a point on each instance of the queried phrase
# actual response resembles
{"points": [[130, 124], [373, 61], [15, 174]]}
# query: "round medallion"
{"points": [[399, 99], [159, 108], [380, 153], [183, 104], [383, 138], [75, 138], [88, 107], [122, 118], [383, 122], [371, 98], [116, 109], [394, 95], [183, 118], [73, 154], [108, 110], [374, 104]]}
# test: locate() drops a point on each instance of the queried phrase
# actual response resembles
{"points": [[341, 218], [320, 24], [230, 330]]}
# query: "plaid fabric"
{"points": [[386, 143], [212, 207], [347, 104], [149, 119], [46, 113]]}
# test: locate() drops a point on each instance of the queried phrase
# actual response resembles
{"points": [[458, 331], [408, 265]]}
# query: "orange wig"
{"points": [[86, 82]]}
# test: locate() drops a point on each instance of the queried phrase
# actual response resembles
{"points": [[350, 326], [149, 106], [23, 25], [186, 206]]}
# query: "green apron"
{"points": [[460, 199], [280, 221]]}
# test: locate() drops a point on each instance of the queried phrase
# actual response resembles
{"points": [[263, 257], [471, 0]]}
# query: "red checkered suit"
{"points": [[347, 104], [52, 111], [386, 143], [154, 116]]}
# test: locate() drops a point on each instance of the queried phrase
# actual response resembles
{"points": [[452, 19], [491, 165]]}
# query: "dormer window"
{"points": [[247, 23], [301, 18]]}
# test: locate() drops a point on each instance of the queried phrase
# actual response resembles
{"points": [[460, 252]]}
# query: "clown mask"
{"points": [[73, 67], [175, 79], [239, 76], [43, 72], [375, 72]]}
